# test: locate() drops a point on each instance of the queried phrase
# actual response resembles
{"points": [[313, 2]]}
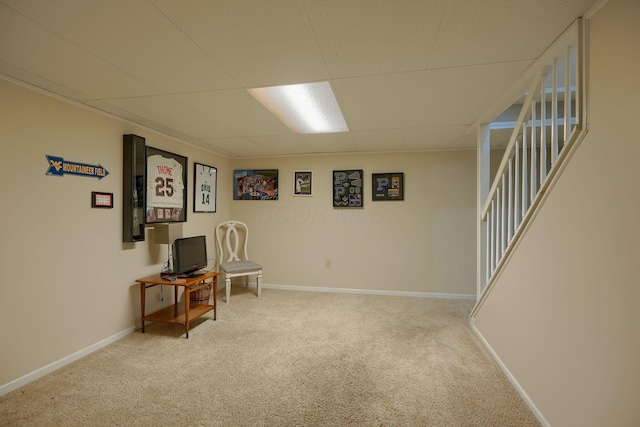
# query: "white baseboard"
{"points": [[511, 378], [368, 292], [19, 382]]}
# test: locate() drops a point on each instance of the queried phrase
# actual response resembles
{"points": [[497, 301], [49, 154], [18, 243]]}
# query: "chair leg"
{"points": [[259, 282], [227, 288]]}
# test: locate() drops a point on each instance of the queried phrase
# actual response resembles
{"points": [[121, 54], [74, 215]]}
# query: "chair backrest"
{"points": [[232, 238]]}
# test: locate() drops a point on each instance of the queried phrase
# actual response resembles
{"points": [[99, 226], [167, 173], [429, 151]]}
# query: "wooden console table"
{"points": [[176, 313]]}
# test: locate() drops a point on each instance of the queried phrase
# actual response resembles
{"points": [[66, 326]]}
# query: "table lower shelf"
{"points": [[173, 314]]}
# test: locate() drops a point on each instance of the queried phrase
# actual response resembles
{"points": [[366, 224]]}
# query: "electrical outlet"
{"points": [[327, 263]]}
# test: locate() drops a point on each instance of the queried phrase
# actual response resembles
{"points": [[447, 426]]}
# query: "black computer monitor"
{"points": [[189, 255]]}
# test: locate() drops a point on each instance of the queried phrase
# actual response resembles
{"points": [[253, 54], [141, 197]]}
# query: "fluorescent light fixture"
{"points": [[304, 108]]}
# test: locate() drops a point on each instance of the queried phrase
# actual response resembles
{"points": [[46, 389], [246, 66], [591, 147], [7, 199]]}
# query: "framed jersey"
{"points": [[166, 187], [204, 188]]}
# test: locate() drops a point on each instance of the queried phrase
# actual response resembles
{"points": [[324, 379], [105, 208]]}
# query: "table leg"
{"points": [[187, 302], [215, 297], [143, 292], [175, 301]]}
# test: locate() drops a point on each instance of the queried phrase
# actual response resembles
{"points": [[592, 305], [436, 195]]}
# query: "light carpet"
{"points": [[288, 358]]}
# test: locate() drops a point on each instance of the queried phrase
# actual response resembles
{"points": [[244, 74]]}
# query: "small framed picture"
{"points": [[101, 200], [387, 186], [255, 184], [348, 188], [204, 188], [302, 183]]}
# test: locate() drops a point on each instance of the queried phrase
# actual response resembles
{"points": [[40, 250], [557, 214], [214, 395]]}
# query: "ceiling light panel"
{"points": [[303, 108]]}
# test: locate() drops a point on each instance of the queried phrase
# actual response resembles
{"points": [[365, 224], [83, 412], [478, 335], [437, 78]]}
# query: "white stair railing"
{"points": [[550, 120]]}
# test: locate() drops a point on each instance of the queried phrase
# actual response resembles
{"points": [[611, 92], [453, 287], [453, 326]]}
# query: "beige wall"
{"points": [[425, 243], [563, 316], [69, 280]]}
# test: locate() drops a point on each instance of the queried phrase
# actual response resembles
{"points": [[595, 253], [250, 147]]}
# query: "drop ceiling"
{"points": [[408, 75]]}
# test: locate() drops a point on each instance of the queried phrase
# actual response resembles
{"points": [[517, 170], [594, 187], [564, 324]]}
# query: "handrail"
{"points": [[512, 140], [550, 120]]}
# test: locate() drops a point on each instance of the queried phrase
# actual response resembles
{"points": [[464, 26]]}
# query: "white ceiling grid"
{"points": [[409, 75]]}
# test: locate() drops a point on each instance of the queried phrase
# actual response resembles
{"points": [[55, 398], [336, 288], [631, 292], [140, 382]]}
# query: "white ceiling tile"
{"points": [[210, 147], [166, 111], [237, 110], [379, 140], [499, 138], [465, 141], [134, 37], [444, 99], [238, 147], [378, 102], [481, 32], [62, 62], [330, 142], [430, 138], [283, 144], [260, 43], [366, 37], [54, 87], [127, 115]]}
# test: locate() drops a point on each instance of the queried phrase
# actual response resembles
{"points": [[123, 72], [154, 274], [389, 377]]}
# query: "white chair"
{"points": [[232, 238]]}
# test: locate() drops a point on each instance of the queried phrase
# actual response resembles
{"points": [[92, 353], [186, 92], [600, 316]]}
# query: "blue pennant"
{"points": [[59, 167]]}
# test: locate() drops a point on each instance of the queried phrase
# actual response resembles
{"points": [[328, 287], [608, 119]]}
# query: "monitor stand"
{"points": [[190, 275]]}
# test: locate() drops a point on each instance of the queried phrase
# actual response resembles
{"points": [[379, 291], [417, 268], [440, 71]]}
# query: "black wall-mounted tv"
{"points": [[189, 256]]}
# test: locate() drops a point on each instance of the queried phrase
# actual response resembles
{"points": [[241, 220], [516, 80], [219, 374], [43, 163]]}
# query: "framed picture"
{"points": [[347, 188], [101, 200], [166, 187], [302, 183], [387, 186], [250, 184], [204, 188]]}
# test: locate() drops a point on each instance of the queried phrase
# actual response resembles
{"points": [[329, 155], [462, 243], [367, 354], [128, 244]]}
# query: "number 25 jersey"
{"points": [[164, 182]]}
